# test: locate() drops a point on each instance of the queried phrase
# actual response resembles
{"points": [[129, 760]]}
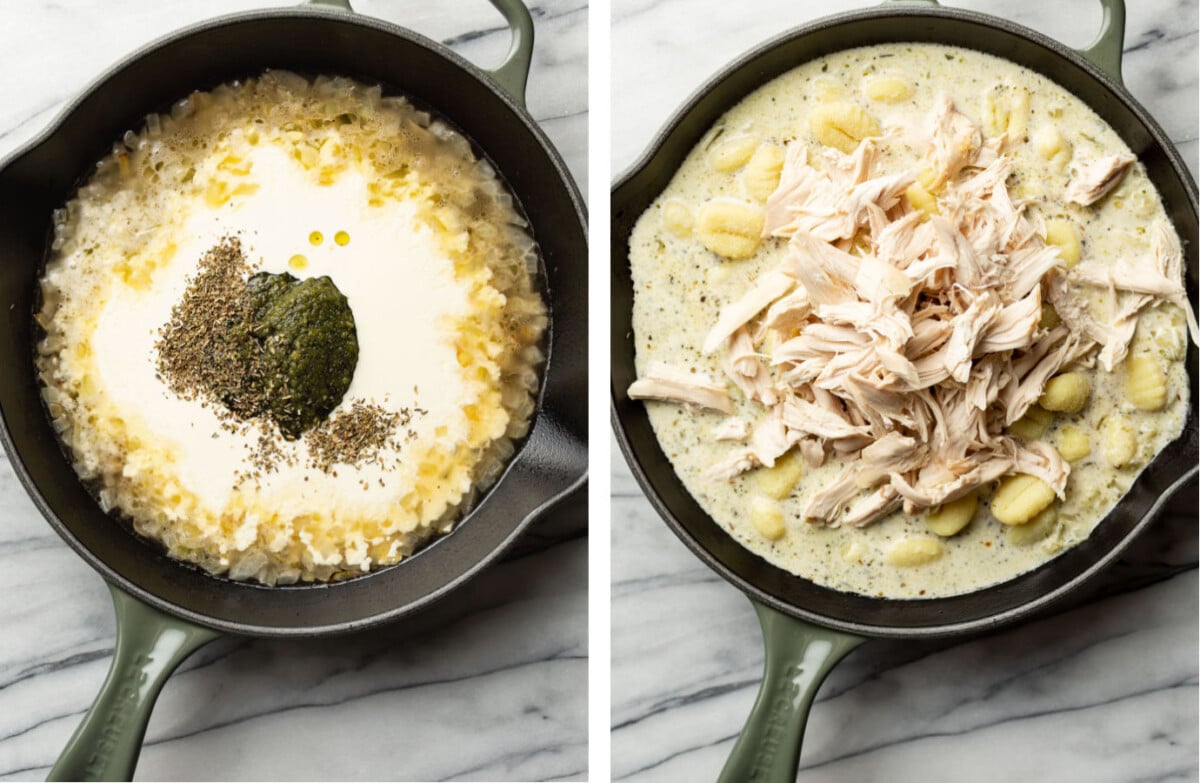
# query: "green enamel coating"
{"points": [[150, 644], [513, 73], [1105, 52], [799, 655], [341, 5]]}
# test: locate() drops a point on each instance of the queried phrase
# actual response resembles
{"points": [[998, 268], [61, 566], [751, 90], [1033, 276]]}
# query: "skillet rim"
{"points": [[619, 401], [547, 432]]}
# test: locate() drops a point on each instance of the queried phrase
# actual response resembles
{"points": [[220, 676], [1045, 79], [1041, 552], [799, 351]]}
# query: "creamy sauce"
{"points": [[680, 288]]}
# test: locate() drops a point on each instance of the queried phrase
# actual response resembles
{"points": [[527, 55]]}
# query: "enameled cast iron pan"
{"points": [[165, 610], [808, 628]]}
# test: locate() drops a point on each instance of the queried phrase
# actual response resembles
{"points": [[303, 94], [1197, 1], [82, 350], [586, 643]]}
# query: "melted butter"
{"points": [[341, 238], [298, 262]]}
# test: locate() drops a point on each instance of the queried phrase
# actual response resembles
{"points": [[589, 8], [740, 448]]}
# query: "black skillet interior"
{"points": [[553, 457], [983, 609]]}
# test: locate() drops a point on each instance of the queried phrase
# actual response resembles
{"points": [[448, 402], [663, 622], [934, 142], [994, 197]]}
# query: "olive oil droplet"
{"points": [[342, 238], [316, 238], [298, 262]]}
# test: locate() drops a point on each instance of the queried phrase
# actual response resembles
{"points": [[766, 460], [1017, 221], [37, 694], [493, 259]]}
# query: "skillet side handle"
{"points": [[150, 644], [799, 655], [341, 5], [513, 73], [1105, 52]]}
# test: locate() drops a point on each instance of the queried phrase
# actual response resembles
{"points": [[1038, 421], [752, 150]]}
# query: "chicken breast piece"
{"points": [[1092, 181], [672, 384]]}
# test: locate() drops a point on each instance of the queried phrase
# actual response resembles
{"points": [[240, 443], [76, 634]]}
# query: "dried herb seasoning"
{"points": [[355, 435], [266, 345]]}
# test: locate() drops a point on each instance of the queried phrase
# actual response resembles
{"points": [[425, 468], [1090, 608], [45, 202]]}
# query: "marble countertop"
{"points": [[493, 686], [1106, 691]]}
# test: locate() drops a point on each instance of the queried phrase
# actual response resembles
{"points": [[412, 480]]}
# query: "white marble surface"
{"points": [[1105, 692], [493, 688]]}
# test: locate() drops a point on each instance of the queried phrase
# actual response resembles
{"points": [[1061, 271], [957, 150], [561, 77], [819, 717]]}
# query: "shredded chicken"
{"points": [[671, 384], [956, 142], [904, 344], [736, 430], [746, 370], [833, 204], [1092, 181]]}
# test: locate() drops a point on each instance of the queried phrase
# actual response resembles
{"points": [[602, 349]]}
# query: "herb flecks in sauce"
{"points": [[354, 436], [266, 345]]}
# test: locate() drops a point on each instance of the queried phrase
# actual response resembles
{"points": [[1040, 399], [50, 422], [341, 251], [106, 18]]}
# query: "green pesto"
{"points": [[308, 344]]}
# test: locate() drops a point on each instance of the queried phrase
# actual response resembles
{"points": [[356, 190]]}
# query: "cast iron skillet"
{"points": [[165, 610], [808, 628]]}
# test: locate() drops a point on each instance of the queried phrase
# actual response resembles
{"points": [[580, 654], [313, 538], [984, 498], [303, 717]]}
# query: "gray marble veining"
{"points": [[492, 686], [1106, 691]]}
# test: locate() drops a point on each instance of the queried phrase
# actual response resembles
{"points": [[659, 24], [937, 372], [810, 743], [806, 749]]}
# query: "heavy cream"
{"points": [[322, 178], [399, 284]]}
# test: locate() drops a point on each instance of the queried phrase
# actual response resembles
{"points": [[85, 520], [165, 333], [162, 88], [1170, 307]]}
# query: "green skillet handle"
{"points": [[799, 655], [150, 645], [1105, 51], [513, 73]]}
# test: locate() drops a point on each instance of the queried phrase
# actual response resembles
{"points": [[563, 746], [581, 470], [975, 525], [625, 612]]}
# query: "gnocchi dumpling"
{"points": [[767, 517], [1035, 530], [952, 517], [1063, 235], [677, 218], [826, 89], [1050, 144], [718, 276], [761, 175], [913, 551], [1033, 424], [1145, 383], [854, 552], [887, 88], [730, 228], [1073, 444], [1006, 110], [778, 480], [841, 125], [1067, 392], [1120, 441], [1019, 498], [920, 198], [731, 154]]}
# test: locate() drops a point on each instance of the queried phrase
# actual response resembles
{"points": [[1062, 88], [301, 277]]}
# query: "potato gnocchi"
{"points": [[841, 125], [730, 228], [762, 171], [732, 154]]}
